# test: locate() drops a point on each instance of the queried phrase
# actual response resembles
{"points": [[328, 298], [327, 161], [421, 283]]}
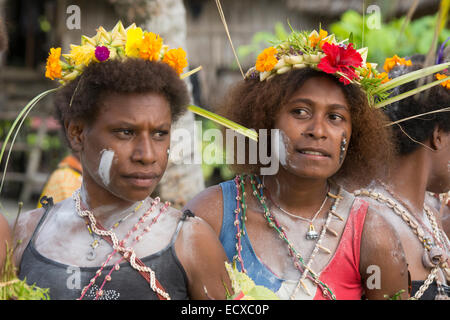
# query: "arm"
{"points": [[5, 241], [383, 266], [203, 258], [208, 205]]}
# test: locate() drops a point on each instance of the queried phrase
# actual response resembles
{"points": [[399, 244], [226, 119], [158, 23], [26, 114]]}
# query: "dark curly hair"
{"points": [[128, 76], [420, 129], [255, 104]]}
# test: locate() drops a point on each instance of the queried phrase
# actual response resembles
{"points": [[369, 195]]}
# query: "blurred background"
{"points": [[387, 27]]}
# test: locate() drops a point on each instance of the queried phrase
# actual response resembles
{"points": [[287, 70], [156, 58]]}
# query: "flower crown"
{"points": [[119, 43], [321, 51]]}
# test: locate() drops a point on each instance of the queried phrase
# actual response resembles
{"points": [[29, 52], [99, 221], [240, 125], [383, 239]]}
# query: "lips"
{"points": [[142, 179], [314, 152]]}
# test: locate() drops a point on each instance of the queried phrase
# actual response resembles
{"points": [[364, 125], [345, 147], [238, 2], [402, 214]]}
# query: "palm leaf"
{"points": [[411, 76], [224, 121], [190, 73], [409, 93]]}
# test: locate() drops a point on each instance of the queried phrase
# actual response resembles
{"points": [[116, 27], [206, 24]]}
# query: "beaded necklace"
{"points": [[299, 262], [97, 239], [119, 246]]}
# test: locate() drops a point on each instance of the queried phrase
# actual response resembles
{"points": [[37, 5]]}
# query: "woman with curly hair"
{"points": [[111, 240], [422, 142], [298, 231]]}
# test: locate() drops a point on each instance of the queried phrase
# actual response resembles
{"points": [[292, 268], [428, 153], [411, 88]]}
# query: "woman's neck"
{"points": [[299, 196], [408, 180], [106, 207]]}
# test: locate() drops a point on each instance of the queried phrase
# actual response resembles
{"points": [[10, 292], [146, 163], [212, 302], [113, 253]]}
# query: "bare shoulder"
{"points": [[197, 241], [380, 241], [208, 205], [381, 249], [5, 240], [202, 257], [4, 228], [378, 231], [26, 224]]}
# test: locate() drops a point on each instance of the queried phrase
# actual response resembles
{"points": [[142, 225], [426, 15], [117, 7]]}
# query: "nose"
{"points": [[144, 150], [316, 128]]}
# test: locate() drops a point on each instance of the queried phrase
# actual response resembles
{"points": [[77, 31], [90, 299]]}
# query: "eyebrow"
{"points": [[312, 103], [125, 123]]}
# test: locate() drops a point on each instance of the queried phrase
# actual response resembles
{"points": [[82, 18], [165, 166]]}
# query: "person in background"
{"points": [[419, 165], [63, 182]]}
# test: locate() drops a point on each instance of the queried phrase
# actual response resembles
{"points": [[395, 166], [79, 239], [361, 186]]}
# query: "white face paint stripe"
{"points": [[104, 167], [283, 148]]}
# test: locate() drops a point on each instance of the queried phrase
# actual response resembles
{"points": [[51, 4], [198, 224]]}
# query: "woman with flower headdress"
{"points": [[298, 232], [120, 93], [421, 126]]}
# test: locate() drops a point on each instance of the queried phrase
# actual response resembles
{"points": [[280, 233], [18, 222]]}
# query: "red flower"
{"points": [[340, 59]]}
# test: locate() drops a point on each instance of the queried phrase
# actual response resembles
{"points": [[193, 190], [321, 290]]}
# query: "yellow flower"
{"points": [[446, 83], [53, 69], [150, 48], [176, 58], [390, 63], [82, 55], [367, 71], [315, 38], [134, 41], [266, 60], [384, 77]]}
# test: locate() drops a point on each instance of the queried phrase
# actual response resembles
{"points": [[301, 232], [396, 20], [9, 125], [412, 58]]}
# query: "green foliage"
{"points": [[396, 296], [260, 41], [245, 288], [387, 40], [208, 157], [12, 288]]}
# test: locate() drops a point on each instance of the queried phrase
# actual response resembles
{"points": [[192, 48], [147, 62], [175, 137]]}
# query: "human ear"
{"points": [[75, 134], [438, 139]]}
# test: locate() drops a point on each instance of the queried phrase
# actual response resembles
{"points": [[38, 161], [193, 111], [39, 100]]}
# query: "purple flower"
{"points": [[440, 53], [102, 53]]}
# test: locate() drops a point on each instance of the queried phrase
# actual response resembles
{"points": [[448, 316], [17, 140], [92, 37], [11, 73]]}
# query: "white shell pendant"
{"points": [[312, 233], [91, 255]]}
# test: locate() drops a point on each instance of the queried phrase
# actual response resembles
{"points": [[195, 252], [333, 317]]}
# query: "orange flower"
{"points": [[266, 60], [151, 46], [53, 68], [176, 58], [384, 77], [367, 72], [446, 83], [315, 38], [390, 63]]}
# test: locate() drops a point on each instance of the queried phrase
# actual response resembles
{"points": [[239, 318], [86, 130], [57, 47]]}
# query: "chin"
{"points": [[132, 193], [439, 188], [310, 172]]}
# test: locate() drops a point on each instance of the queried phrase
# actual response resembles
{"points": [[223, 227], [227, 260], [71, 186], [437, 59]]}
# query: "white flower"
{"points": [[284, 69]]}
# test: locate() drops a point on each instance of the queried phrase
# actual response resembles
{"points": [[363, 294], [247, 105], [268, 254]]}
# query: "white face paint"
{"points": [[283, 148], [104, 167]]}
